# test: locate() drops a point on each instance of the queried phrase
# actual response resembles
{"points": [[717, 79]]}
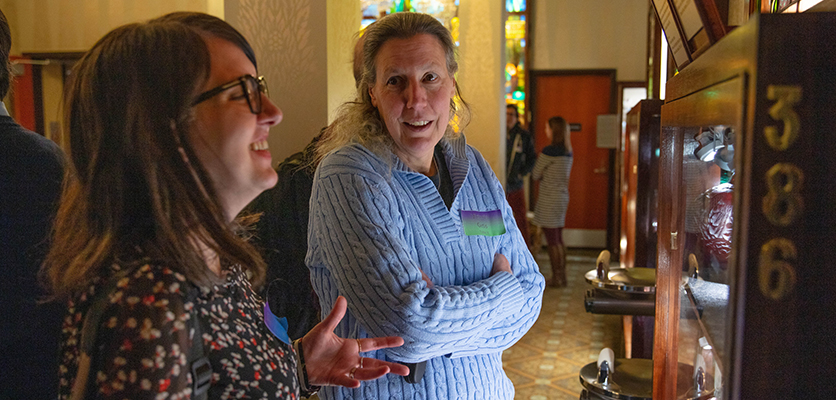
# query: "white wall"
{"points": [[591, 34]]}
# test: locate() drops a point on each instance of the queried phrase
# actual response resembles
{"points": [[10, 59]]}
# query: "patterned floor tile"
{"points": [[544, 392], [544, 368], [545, 363]]}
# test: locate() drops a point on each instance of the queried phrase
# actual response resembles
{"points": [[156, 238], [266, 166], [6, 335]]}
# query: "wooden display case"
{"points": [[691, 26], [640, 180], [758, 313], [639, 188]]}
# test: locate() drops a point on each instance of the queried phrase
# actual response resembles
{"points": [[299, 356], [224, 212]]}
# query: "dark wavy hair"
{"points": [[212, 25], [135, 181]]}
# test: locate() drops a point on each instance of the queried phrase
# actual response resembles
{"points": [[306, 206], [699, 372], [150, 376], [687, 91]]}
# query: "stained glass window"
{"points": [[516, 35], [446, 11], [515, 5]]}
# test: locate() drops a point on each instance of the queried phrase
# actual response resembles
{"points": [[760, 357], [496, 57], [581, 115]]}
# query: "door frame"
{"points": [[619, 158], [613, 232]]}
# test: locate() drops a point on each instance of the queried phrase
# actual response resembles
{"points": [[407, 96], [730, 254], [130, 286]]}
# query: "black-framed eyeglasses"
{"points": [[252, 87]]}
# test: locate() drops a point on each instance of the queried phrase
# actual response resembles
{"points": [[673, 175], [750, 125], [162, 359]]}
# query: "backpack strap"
{"points": [[198, 362]]}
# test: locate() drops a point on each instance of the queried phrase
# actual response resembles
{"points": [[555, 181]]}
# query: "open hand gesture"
{"points": [[332, 360]]}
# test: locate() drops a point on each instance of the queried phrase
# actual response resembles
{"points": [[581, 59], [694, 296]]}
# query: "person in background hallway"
{"points": [[552, 170], [168, 122], [397, 210], [282, 232], [520, 158], [31, 172]]}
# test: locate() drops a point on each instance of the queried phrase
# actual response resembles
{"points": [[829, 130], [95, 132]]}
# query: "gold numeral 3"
{"points": [[785, 98]]}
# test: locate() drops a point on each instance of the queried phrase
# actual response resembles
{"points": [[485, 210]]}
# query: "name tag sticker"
{"points": [[276, 325], [483, 223]]}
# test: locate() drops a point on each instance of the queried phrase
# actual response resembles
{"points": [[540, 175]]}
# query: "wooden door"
{"points": [[579, 97]]}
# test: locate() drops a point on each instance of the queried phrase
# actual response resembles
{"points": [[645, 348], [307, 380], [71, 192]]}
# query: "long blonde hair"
{"points": [[359, 121]]}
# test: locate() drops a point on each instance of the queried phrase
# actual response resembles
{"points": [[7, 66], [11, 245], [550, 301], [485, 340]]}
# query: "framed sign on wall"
{"points": [[691, 26]]}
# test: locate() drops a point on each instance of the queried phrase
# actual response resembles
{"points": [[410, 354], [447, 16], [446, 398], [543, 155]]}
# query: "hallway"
{"points": [[545, 363]]}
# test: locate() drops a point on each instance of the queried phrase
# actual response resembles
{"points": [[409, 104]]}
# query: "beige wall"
{"points": [[591, 34], [59, 26], [343, 22], [296, 55], [75, 25], [481, 76], [304, 49]]}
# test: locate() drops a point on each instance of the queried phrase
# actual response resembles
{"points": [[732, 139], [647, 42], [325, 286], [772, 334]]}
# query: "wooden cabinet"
{"points": [[747, 215], [639, 181]]}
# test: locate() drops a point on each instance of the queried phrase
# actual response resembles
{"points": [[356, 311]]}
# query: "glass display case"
{"points": [[747, 206], [639, 185]]}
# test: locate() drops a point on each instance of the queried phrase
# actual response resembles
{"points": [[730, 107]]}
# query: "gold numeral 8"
{"points": [[783, 204], [776, 275], [785, 98]]}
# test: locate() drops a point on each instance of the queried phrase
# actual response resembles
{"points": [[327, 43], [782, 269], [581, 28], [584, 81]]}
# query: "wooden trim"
{"points": [[58, 56], [540, 72], [528, 47], [654, 34], [38, 98], [666, 326], [713, 22], [65, 59]]}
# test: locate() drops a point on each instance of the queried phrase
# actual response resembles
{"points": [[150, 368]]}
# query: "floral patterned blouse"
{"points": [[146, 336]]}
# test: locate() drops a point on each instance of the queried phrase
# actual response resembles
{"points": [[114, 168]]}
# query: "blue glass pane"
{"points": [[515, 5]]}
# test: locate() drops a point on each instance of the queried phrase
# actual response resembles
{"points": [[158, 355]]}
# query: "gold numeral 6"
{"points": [[785, 98], [776, 275], [783, 204]]}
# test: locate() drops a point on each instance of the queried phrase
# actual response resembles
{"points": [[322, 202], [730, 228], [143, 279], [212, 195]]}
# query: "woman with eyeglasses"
{"points": [[168, 123]]}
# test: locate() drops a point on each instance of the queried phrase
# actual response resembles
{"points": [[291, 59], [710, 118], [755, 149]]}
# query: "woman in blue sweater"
{"points": [[168, 121], [411, 225]]}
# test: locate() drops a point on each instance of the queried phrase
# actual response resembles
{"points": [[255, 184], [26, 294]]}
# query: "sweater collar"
{"points": [[455, 151]]}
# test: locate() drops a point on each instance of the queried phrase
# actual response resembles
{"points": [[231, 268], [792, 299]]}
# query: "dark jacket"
{"points": [[31, 172], [524, 158], [282, 235]]}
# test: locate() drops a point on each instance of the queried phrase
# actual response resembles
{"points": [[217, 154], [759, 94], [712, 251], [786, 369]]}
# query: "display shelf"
{"points": [[747, 193]]}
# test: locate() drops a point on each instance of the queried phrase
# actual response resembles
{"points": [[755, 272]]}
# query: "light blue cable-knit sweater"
{"points": [[375, 225]]}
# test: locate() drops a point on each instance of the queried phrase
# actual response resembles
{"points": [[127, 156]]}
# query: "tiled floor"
{"points": [[544, 364]]}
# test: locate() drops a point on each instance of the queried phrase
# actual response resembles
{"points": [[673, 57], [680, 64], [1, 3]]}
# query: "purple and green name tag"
{"points": [[483, 223]]}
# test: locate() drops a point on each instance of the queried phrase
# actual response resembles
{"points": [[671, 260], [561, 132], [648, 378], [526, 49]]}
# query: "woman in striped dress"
{"points": [[552, 170]]}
